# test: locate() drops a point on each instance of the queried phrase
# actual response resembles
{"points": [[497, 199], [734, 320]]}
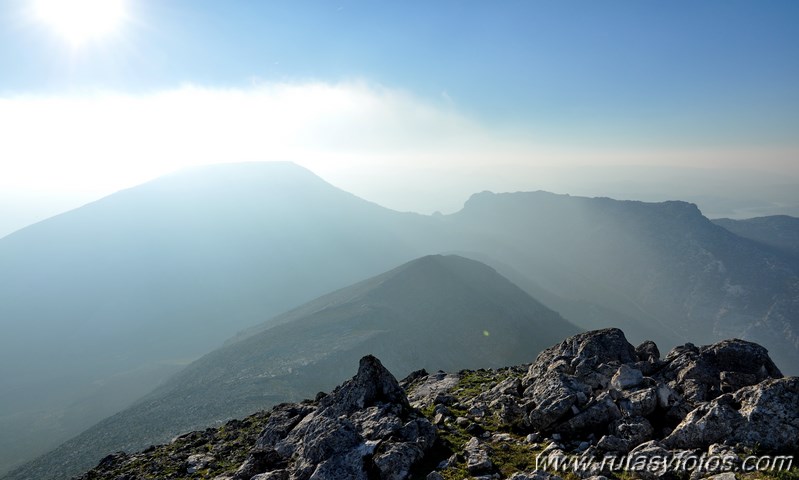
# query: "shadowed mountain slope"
{"points": [[436, 312], [99, 304]]}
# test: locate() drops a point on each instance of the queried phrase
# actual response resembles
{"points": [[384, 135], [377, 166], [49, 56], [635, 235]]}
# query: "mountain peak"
{"points": [[447, 262], [236, 177]]}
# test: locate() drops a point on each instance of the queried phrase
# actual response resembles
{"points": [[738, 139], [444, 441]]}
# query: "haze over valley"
{"points": [[150, 277]]}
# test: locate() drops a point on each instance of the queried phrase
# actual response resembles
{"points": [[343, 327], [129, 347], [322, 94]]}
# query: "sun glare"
{"points": [[80, 21]]}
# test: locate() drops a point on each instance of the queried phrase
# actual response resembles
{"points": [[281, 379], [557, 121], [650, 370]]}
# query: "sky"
{"points": [[413, 105]]}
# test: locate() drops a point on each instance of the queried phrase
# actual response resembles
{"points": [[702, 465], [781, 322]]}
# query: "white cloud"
{"points": [[111, 138]]}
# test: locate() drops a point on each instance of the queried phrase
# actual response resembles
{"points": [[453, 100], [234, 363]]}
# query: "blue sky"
{"points": [[671, 82], [653, 69]]}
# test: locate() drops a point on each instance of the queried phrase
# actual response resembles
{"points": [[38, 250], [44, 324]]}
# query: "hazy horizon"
{"points": [[731, 193], [414, 107]]}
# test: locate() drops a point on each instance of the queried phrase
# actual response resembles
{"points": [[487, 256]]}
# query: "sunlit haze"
{"points": [[80, 21]]}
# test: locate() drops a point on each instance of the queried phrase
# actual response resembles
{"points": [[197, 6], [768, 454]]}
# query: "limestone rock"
{"points": [[764, 415], [365, 425], [626, 377], [197, 462], [593, 394], [647, 352], [477, 457]]}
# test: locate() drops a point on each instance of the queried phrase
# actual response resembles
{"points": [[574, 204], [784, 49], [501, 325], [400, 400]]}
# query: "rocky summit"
{"points": [[593, 395]]}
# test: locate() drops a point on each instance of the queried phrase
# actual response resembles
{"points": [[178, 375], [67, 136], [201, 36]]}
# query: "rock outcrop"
{"points": [[593, 395], [366, 427], [764, 415]]}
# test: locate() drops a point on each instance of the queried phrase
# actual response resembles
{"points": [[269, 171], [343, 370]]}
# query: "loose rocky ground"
{"points": [[592, 396]]}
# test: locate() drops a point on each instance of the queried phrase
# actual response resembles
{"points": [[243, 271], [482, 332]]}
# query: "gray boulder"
{"points": [[626, 377], [701, 374], [594, 348], [477, 457], [634, 430], [601, 413], [640, 403], [647, 352], [764, 415], [561, 382]]}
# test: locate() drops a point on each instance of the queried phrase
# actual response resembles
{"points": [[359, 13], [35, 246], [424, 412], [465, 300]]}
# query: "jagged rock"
{"points": [[439, 419], [591, 385], [554, 395], [594, 348], [477, 457], [259, 460], [600, 413], [641, 459], [414, 377], [666, 396], [111, 460], [771, 411], [764, 415], [626, 377], [706, 424], [501, 437], [613, 444], [562, 380], [198, 462], [509, 386], [704, 373], [284, 417], [639, 403], [725, 459], [364, 425], [508, 411], [634, 430], [432, 388], [647, 352], [372, 384]]}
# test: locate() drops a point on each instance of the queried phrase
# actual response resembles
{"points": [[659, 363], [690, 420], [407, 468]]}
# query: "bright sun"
{"points": [[80, 21]]}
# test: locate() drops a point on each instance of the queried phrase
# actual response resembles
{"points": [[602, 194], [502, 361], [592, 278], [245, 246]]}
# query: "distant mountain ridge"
{"points": [[436, 312], [780, 232], [664, 264]]}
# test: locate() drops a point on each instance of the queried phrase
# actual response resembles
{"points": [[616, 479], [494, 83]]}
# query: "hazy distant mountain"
{"points": [[437, 312], [99, 304], [780, 232], [666, 269]]}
